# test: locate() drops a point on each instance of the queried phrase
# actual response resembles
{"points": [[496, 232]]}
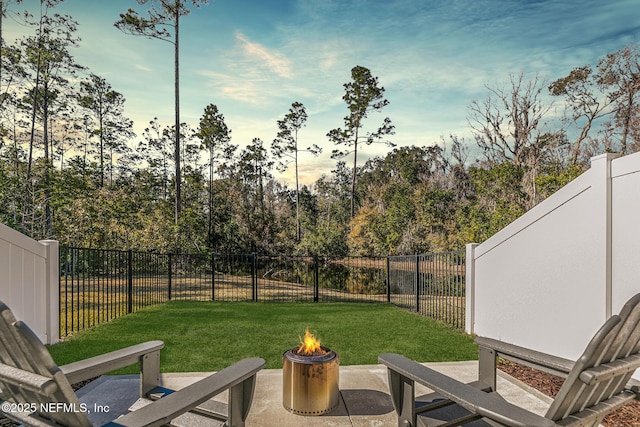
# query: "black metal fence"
{"points": [[97, 285], [430, 284]]}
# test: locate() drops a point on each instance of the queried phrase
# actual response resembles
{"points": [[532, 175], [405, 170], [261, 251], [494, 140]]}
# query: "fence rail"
{"points": [[98, 285]]}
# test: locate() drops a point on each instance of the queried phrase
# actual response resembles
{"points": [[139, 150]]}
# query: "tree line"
{"points": [[70, 169]]}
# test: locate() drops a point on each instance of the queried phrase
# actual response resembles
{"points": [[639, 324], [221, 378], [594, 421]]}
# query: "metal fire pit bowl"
{"points": [[310, 383]]}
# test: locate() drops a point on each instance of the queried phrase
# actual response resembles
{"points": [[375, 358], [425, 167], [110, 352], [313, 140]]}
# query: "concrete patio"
{"points": [[365, 397]]}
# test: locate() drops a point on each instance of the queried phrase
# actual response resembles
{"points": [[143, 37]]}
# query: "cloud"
{"points": [[248, 89], [274, 60], [251, 74], [243, 92], [142, 68]]}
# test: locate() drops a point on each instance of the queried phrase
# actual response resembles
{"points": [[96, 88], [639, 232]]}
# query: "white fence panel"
{"points": [[625, 229], [549, 280], [29, 281]]}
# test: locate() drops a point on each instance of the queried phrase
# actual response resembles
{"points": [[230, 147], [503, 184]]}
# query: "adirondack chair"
{"points": [[596, 384], [35, 391]]}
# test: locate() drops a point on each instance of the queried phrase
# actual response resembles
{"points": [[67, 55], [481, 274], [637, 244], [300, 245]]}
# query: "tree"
{"points": [[107, 106], [190, 155], [215, 136], [611, 90], [163, 16], [9, 57], [362, 95], [156, 149], [456, 159], [585, 101], [406, 203], [331, 215], [507, 123], [620, 72], [285, 147], [509, 126], [499, 201], [70, 133], [254, 165], [47, 55], [10, 70]]}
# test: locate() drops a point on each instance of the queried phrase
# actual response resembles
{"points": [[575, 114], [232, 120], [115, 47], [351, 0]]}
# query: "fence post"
{"points": [[170, 274], [254, 278], [602, 165], [213, 276], [417, 280], [316, 284], [129, 281], [470, 288], [388, 278], [52, 291]]}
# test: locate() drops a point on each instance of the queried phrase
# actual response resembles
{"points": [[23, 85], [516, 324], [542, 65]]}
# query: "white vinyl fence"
{"points": [[29, 281], [551, 278]]}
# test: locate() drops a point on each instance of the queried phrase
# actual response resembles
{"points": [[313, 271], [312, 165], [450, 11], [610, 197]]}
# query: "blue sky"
{"points": [[253, 58]]}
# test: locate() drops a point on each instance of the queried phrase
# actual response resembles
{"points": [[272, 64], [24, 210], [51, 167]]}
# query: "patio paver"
{"points": [[364, 392]]}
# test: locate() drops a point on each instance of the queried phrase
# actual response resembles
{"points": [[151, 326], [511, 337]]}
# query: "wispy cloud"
{"points": [[272, 59], [142, 68], [250, 73], [245, 87], [242, 90]]}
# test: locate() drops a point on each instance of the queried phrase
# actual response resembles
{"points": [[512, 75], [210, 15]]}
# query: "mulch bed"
{"points": [[627, 416]]}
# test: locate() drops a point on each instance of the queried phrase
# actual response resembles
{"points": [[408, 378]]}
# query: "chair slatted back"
{"points": [[28, 375], [604, 368]]}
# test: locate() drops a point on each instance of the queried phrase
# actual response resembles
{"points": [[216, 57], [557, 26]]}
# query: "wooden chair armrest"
{"points": [[534, 359], [164, 410], [99, 365], [470, 398]]}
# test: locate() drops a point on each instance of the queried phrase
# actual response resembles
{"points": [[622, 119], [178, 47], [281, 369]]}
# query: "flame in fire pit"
{"points": [[309, 345]]}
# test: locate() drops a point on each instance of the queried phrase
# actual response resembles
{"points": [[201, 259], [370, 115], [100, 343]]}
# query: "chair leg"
{"points": [[487, 365], [403, 398], [240, 399], [149, 372]]}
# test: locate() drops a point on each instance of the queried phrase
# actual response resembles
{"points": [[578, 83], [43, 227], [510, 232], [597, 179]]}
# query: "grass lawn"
{"points": [[207, 336]]}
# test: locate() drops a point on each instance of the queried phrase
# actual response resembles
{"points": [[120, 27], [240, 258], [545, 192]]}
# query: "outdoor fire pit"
{"points": [[310, 378]]}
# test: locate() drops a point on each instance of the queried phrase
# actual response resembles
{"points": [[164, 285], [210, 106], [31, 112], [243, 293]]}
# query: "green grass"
{"points": [[207, 336]]}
